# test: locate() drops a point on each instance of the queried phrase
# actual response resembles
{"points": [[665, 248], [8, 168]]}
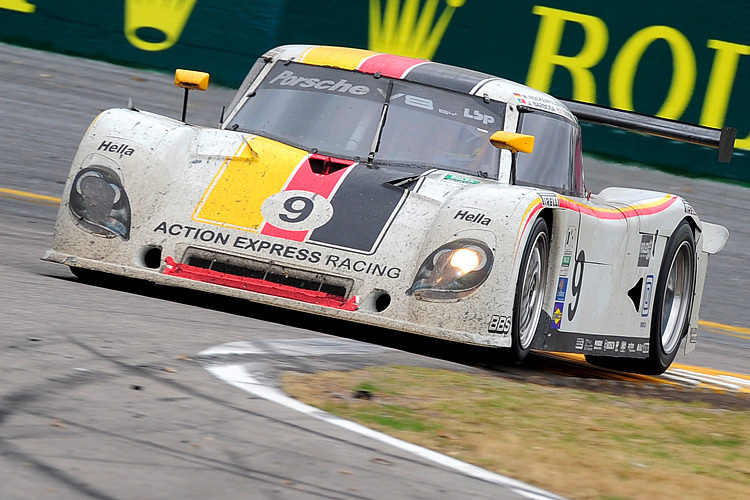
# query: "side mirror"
{"points": [[512, 141], [190, 80]]}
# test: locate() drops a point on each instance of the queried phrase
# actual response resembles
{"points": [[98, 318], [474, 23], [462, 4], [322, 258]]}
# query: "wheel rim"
{"points": [[532, 291], [676, 302]]}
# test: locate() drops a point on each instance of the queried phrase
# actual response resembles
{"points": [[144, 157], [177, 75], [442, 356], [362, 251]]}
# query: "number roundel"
{"points": [[296, 210]]}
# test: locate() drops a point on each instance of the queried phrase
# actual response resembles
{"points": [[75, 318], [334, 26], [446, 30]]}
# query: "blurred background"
{"points": [[680, 59]]}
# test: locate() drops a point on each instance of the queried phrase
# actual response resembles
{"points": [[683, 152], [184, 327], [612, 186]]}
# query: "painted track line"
{"points": [[237, 375], [31, 196], [678, 375]]}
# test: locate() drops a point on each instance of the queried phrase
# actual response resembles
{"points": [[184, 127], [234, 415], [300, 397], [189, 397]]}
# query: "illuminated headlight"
{"points": [[453, 271], [99, 203]]}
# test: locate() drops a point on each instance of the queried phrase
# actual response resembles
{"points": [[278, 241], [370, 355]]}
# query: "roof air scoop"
{"points": [[325, 165]]}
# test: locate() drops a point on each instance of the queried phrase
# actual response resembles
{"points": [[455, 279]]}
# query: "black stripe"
{"points": [[362, 208], [447, 77]]}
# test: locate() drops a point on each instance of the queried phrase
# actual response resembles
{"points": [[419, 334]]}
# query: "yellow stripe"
{"points": [[642, 206], [742, 332], [24, 194], [337, 57], [711, 371], [244, 181]]}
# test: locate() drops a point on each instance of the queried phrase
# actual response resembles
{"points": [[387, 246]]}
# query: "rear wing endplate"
{"points": [[723, 139]]}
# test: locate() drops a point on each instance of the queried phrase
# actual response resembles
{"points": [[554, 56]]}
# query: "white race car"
{"points": [[401, 193]]}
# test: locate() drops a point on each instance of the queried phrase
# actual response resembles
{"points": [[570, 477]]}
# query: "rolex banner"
{"points": [[681, 59]]}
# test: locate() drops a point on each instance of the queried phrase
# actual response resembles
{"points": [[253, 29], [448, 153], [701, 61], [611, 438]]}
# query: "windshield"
{"points": [[338, 113]]}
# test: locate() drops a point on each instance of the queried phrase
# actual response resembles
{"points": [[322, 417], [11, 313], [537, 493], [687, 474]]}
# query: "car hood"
{"points": [[264, 186]]}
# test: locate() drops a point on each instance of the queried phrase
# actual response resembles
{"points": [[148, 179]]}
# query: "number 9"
{"points": [[301, 213]]}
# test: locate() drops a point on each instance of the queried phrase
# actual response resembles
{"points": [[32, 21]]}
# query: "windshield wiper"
{"points": [[379, 132]]}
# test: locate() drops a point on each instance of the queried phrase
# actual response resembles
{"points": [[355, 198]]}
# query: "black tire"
{"points": [[671, 309], [530, 286], [673, 300]]}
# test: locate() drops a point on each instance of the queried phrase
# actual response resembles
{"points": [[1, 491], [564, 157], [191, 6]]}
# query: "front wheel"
{"points": [[532, 279]]}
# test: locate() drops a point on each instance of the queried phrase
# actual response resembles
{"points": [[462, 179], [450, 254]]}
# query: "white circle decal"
{"points": [[296, 210]]}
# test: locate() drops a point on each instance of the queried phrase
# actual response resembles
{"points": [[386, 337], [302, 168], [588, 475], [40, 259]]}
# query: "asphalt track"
{"points": [[104, 392]]}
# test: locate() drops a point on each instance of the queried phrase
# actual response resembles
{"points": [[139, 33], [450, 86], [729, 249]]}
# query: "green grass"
{"points": [[581, 444]]}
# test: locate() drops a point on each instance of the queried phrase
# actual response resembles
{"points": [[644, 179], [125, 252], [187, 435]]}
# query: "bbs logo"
{"points": [[499, 324]]}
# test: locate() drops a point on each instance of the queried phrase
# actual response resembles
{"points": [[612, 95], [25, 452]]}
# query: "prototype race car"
{"points": [[401, 193]]}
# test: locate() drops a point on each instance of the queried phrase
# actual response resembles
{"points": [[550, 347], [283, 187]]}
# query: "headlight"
{"points": [[99, 203], [453, 271]]}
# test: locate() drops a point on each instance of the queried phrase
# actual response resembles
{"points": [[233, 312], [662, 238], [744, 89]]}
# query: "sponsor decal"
{"points": [[557, 313], [570, 239], [460, 178], [562, 286], [267, 249], [565, 266], [688, 208], [287, 78], [550, 200], [543, 103], [499, 324], [476, 115], [118, 149], [647, 290], [475, 217], [644, 253], [611, 346], [644, 324]]}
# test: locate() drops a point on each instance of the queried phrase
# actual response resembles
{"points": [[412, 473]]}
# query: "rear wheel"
{"points": [[532, 278], [673, 299], [672, 305]]}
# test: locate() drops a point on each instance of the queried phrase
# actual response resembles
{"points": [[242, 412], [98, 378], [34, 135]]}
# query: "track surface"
{"points": [[101, 392]]}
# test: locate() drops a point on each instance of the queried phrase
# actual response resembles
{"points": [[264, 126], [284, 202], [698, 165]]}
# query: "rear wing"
{"points": [[723, 139]]}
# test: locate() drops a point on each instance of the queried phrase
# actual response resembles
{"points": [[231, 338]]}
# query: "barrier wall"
{"points": [[681, 59]]}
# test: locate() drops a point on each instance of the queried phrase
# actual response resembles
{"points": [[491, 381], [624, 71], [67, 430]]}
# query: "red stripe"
{"points": [[623, 213], [389, 65], [259, 286], [590, 211], [304, 179], [531, 216]]}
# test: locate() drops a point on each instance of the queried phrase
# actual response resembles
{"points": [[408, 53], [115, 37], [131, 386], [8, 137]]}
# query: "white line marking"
{"points": [[694, 379], [237, 376]]}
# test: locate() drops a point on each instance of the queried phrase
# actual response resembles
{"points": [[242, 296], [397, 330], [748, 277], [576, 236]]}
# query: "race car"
{"points": [[402, 193]]}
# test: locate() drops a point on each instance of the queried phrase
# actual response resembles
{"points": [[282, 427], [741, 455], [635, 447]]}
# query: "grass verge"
{"points": [[582, 444]]}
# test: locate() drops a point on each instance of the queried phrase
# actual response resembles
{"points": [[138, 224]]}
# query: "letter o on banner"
{"points": [[683, 70]]}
